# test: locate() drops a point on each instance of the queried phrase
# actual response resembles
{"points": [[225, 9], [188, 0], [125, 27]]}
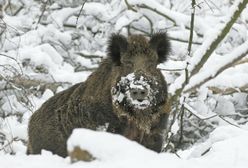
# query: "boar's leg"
{"points": [[155, 139]]}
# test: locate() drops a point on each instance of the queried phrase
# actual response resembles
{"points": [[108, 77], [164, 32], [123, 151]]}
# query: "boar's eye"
{"points": [[117, 45], [160, 43]]}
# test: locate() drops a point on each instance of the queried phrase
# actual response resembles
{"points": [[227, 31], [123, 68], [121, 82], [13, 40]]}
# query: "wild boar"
{"points": [[127, 95]]}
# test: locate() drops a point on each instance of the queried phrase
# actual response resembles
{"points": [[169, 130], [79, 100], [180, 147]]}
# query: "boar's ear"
{"points": [[117, 45], [160, 43]]}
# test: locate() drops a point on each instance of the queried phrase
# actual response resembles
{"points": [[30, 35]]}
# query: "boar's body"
{"points": [[86, 104], [104, 100]]}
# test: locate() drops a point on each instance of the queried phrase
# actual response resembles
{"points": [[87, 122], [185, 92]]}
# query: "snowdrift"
{"points": [[225, 148]]}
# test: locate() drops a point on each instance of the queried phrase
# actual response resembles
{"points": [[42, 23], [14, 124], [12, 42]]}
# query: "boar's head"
{"points": [[139, 90]]}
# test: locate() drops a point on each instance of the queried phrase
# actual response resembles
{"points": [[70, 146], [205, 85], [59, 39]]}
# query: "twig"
{"points": [[190, 43], [186, 74], [80, 11], [213, 4], [205, 152], [169, 134], [9, 143], [242, 61], [195, 113], [209, 6], [228, 91], [191, 26], [130, 7], [222, 117], [44, 5], [162, 69], [184, 41], [19, 65], [31, 83], [142, 31], [90, 56], [181, 121], [191, 110], [169, 37], [150, 23], [144, 6]]}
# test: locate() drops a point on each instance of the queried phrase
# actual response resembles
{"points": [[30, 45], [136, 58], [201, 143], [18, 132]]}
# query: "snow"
{"points": [[200, 110], [226, 147], [62, 15], [240, 99], [224, 107]]}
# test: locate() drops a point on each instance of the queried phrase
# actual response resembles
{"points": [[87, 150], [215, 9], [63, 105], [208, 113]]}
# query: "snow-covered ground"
{"points": [[226, 147], [44, 53]]}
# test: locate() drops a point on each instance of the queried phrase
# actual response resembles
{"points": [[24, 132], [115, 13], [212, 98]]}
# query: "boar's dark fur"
{"points": [[90, 104]]}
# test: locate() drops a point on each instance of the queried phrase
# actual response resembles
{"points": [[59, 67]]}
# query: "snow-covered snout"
{"points": [[135, 91]]}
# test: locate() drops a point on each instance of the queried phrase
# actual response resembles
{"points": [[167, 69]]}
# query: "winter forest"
{"points": [[46, 46]]}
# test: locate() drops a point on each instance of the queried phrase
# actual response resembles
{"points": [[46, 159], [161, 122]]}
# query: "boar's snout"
{"points": [[136, 91], [139, 94]]}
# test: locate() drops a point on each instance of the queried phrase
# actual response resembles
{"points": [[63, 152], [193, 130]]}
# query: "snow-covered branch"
{"points": [[26, 83], [215, 37], [201, 56], [228, 91], [227, 61]]}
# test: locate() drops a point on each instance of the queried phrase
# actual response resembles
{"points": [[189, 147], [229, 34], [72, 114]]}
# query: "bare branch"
{"points": [[229, 90], [89, 55], [191, 26], [130, 7], [144, 6], [184, 41], [195, 113], [20, 81], [223, 118], [44, 6], [80, 11], [191, 110], [243, 61]]}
